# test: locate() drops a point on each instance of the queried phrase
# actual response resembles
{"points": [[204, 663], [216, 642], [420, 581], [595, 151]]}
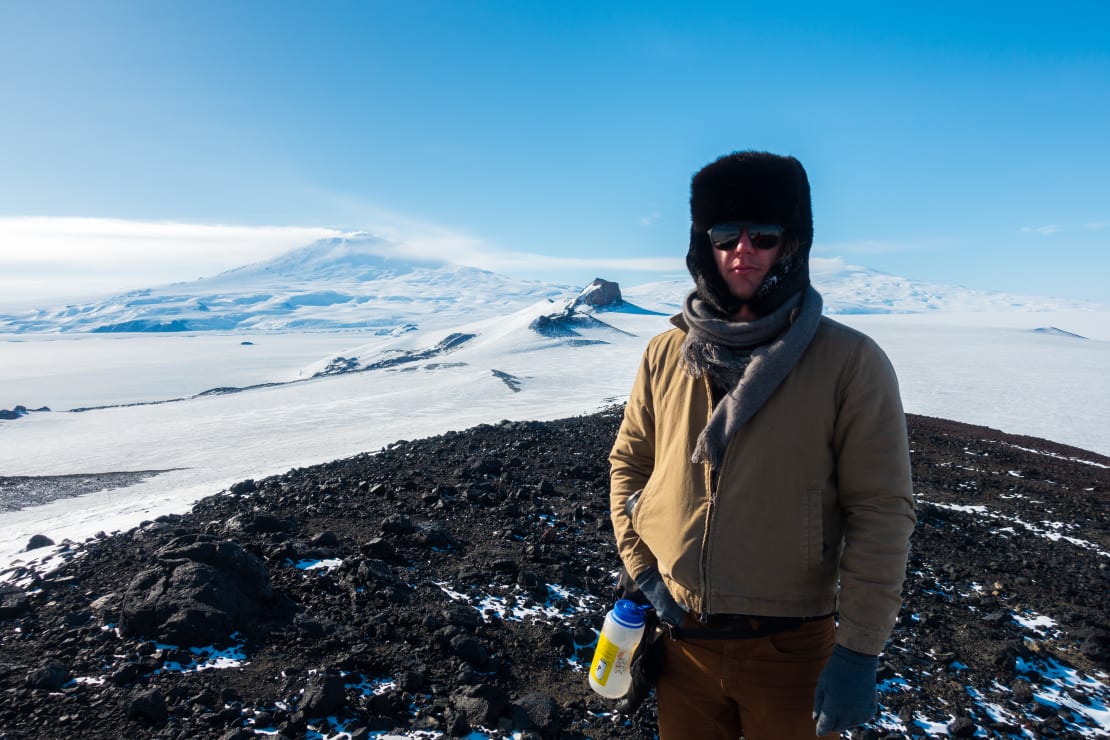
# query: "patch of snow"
{"points": [[1063, 683], [1080, 460], [1046, 529], [207, 658], [1033, 622], [324, 564]]}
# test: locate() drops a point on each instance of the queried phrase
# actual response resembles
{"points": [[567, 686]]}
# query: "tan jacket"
{"points": [[815, 487]]}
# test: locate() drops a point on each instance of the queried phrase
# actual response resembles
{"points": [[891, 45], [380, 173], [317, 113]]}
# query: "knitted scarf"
{"points": [[749, 358]]}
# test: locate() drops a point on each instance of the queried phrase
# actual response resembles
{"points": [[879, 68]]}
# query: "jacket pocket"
{"points": [[634, 507], [813, 529], [630, 504]]}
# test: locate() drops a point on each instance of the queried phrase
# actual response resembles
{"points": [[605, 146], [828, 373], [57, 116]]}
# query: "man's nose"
{"points": [[745, 242]]}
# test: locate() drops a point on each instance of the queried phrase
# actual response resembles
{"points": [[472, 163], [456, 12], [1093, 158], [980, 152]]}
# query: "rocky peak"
{"points": [[599, 294]]}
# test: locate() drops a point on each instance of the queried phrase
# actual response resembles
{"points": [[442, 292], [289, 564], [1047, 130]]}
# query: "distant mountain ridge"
{"points": [[357, 282], [849, 289], [360, 282]]}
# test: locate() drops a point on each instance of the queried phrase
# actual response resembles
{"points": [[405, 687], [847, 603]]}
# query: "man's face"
{"points": [[743, 267]]}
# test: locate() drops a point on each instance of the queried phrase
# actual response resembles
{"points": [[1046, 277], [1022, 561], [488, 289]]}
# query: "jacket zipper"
{"points": [[711, 508]]}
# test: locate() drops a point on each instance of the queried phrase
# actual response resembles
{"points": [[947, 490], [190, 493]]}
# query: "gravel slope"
{"points": [[455, 584]]}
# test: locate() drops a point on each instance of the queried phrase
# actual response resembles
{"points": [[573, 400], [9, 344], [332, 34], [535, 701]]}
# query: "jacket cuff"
{"points": [[860, 639], [639, 562]]}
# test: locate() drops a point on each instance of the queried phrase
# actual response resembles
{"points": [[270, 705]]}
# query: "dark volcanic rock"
{"points": [[600, 293], [323, 695], [18, 411], [13, 601], [481, 705], [148, 705], [537, 712], [199, 590], [49, 677], [37, 541], [456, 584], [242, 487]]}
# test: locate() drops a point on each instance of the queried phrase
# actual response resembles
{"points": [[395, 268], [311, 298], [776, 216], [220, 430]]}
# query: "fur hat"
{"points": [[759, 187]]}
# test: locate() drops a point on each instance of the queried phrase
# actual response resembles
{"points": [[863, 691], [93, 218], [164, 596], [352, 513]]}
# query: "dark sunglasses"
{"points": [[762, 236]]}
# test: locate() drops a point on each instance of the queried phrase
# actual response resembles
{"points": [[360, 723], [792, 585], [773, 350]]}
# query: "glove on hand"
{"points": [[651, 583], [647, 665], [846, 695]]}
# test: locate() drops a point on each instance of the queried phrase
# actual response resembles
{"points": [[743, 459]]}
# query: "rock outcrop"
{"points": [[600, 294], [199, 590], [18, 412]]}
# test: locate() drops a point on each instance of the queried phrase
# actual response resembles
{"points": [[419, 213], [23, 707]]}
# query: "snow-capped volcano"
{"points": [[359, 257], [357, 282], [363, 282]]}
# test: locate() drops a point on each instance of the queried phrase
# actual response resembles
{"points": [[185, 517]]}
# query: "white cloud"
{"points": [[1096, 225], [521, 262], [47, 257], [100, 241], [651, 219], [1044, 230], [819, 265], [860, 247]]}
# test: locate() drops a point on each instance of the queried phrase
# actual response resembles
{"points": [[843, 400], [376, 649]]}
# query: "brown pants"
{"points": [[759, 688]]}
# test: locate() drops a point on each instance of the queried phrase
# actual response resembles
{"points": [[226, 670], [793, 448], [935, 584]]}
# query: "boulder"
{"points": [[324, 695], [13, 601], [149, 705], [470, 649], [198, 591], [50, 677], [536, 712], [243, 487], [481, 705], [38, 541]]}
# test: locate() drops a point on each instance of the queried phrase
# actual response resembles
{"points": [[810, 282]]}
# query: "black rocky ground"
{"points": [[462, 579], [21, 491]]}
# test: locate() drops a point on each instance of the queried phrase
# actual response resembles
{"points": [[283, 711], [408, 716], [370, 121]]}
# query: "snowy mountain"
{"points": [[359, 282], [345, 283], [849, 289], [854, 290]]}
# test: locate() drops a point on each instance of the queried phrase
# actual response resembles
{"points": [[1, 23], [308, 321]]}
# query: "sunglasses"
{"points": [[762, 236]]}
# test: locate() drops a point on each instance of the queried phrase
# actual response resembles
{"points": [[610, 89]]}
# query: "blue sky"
{"points": [[948, 142]]}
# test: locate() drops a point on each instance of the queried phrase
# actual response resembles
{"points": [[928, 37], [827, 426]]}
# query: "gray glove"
{"points": [[651, 583], [846, 695]]}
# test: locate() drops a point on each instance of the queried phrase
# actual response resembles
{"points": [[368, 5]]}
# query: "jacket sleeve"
{"points": [[876, 496], [632, 461]]}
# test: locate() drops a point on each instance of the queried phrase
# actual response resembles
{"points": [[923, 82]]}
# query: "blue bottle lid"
{"points": [[628, 614]]}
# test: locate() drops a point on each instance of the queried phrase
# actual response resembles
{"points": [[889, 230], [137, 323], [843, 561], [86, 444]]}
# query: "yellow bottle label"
{"points": [[604, 657]]}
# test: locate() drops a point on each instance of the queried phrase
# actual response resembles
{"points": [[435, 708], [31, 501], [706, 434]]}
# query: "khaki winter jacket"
{"points": [[815, 487]]}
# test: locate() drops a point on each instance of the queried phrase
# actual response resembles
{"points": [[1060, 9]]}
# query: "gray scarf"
{"points": [[749, 358]]}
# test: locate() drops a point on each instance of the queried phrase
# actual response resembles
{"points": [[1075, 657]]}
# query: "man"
{"points": [[761, 478]]}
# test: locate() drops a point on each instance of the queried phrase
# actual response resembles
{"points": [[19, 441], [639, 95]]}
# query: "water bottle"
{"points": [[620, 635]]}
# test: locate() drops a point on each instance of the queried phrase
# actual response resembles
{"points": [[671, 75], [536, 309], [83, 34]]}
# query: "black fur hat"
{"points": [[751, 186]]}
